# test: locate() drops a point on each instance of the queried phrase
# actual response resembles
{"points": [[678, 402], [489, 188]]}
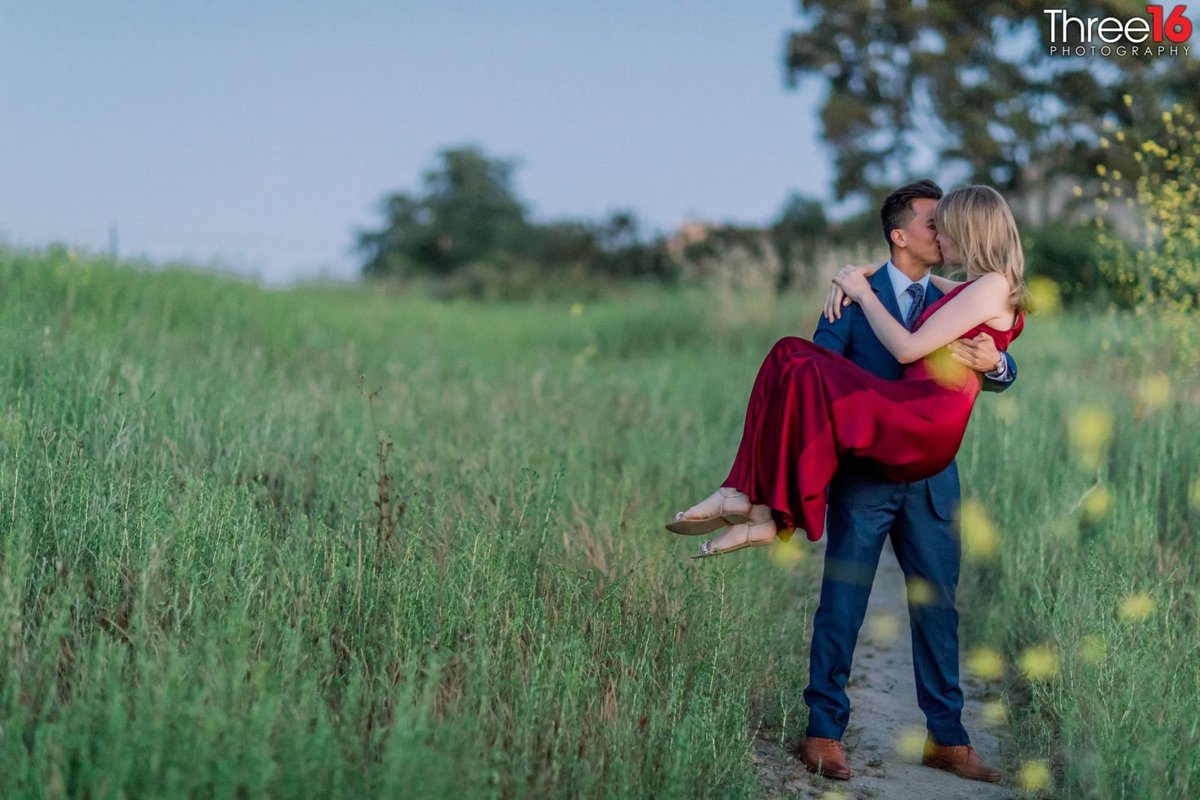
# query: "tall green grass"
{"points": [[332, 542], [1088, 524]]}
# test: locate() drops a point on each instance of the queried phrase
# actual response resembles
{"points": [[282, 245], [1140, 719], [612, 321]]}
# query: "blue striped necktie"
{"points": [[917, 292]]}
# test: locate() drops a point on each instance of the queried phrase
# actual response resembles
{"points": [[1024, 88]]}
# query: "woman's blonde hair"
{"points": [[980, 222]]}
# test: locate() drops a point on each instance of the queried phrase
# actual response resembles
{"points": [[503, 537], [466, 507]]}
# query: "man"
{"points": [[865, 508]]}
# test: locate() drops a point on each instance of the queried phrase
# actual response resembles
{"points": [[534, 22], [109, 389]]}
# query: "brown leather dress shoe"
{"points": [[960, 759], [825, 757]]}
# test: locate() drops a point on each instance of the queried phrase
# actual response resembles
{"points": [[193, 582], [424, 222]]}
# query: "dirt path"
{"points": [[884, 713]]}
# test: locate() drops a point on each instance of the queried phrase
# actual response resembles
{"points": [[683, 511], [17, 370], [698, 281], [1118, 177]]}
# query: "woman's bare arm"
{"points": [[985, 299], [836, 299]]}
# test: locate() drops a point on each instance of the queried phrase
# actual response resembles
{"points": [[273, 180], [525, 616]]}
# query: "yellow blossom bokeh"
{"points": [[1039, 663], [910, 743], [920, 592], [1155, 391], [1090, 429], [948, 370], [994, 712], [1034, 775], [985, 663], [1136, 607], [883, 627], [786, 552], [1005, 408], [576, 309], [979, 539], [1096, 504], [1045, 296]]}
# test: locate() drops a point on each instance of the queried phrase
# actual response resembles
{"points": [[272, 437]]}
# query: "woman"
{"points": [[810, 407]]}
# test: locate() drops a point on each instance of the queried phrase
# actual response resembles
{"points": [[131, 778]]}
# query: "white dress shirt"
{"points": [[900, 284]]}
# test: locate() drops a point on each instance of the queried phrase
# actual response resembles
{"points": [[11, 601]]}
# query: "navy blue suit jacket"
{"points": [[852, 337]]}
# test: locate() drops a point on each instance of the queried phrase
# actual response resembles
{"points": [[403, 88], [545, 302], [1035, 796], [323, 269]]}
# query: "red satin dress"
{"points": [[810, 408]]}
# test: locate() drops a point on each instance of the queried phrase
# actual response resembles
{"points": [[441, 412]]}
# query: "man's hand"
{"points": [[980, 353]]}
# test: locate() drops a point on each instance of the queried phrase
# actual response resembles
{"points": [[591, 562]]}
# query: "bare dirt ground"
{"points": [[884, 717]]}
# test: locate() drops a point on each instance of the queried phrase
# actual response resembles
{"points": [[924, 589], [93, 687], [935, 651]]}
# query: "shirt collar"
{"points": [[901, 282]]}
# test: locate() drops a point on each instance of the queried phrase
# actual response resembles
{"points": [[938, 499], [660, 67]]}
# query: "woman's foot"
{"points": [[759, 531], [725, 506]]}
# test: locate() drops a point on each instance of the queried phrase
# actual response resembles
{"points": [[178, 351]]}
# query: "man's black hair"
{"points": [[897, 209]]}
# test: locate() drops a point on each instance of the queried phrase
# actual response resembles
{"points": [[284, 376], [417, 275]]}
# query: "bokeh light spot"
{"points": [[1005, 408], [1034, 775], [1039, 663], [910, 744], [1096, 504], [994, 712], [1136, 607], [1090, 429], [786, 552], [947, 370], [1045, 296], [1155, 391], [985, 663], [920, 592], [977, 531], [883, 627]]}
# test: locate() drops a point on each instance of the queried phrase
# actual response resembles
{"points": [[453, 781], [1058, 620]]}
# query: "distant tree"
{"points": [[565, 243], [973, 82], [468, 224], [620, 231], [468, 211], [623, 252], [797, 233]]}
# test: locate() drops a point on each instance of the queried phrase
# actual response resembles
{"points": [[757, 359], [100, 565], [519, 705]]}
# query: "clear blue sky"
{"points": [[261, 135]]}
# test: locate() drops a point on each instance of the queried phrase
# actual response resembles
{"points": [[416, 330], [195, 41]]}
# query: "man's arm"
{"points": [[834, 335], [999, 369], [1000, 379]]}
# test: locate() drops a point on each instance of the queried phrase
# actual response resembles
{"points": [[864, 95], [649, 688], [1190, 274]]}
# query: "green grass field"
{"points": [[339, 543]]}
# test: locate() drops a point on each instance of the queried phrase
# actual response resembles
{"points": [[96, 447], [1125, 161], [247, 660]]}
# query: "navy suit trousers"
{"points": [[864, 508]]}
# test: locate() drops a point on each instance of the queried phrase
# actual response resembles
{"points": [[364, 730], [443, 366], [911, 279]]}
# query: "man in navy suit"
{"points": [[865, 508]]}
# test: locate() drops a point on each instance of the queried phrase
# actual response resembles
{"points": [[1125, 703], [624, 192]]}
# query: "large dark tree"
{"points": [[468, 210], [975, 84]]}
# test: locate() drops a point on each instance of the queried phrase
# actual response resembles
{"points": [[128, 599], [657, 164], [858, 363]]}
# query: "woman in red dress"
{"points": [[810, 407]]}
